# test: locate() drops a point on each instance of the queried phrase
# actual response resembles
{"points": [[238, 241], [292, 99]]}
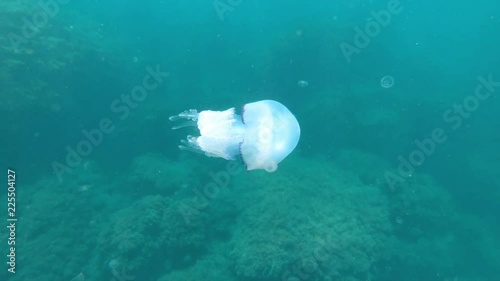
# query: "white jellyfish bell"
{"points": [[262, 136]]}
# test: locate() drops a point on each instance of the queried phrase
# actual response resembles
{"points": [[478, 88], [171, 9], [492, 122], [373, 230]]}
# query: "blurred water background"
{"points": [[387, 183]]}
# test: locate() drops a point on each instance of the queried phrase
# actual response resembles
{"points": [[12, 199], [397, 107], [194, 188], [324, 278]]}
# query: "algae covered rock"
{"points": [[332, 226], [150, 230], [55, 230], [214, 267]]}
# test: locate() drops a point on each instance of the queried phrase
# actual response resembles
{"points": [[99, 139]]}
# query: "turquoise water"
{"points": [[394, 178]]}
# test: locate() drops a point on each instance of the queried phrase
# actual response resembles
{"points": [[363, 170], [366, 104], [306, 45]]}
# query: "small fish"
{"points": [[302, 83]]}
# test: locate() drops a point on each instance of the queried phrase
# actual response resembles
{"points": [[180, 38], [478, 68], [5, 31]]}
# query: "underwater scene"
{"points": [[250, 140]]}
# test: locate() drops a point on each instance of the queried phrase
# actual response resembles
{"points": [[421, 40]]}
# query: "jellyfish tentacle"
{"points": [[190, 144], [191, 114], [185, 124]]}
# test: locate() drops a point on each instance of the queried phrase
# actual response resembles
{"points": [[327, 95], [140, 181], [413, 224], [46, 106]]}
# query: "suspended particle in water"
{"points": [[135, 59], [302, 83], [399, 220], [113, 264], [84, 187], [86, 165], [386, 82]]}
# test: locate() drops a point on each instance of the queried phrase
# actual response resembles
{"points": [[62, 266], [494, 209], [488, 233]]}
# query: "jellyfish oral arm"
{"points": [[191, 115], [221, 132]]}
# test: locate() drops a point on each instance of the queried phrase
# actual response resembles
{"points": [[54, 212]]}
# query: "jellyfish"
{"points": [[303, 83], [387, 82], [264, 134]]}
